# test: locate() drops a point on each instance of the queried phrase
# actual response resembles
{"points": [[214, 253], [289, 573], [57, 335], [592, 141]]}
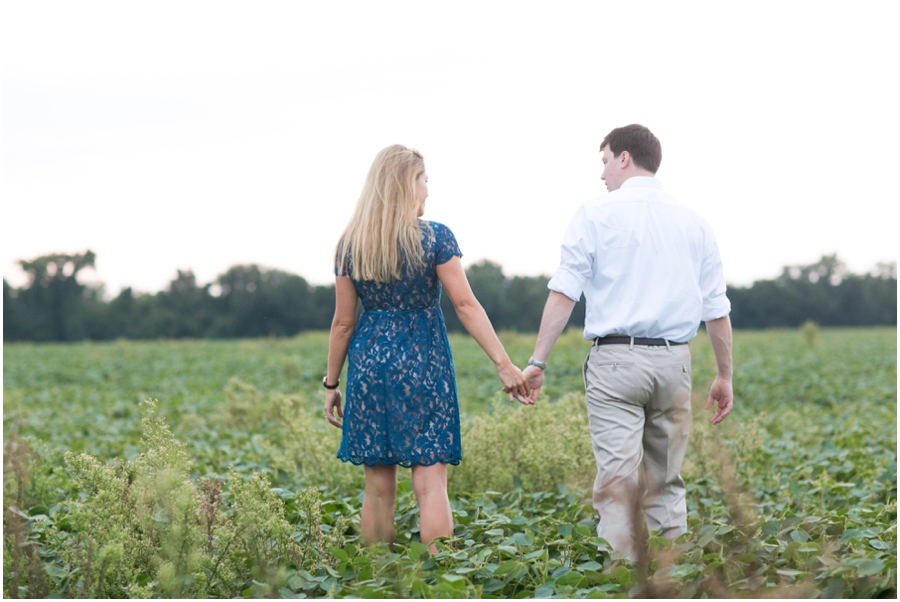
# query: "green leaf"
{"points": [[507, 567], [295, 582], [800, 536], [523, 540], [340, 554], [420, 588], [570, 579], [878, 544], [870, 566], [417, 551], [493, 585], [771, 528], [705, 539], [545, 590], [610, 587], [55, 571]]}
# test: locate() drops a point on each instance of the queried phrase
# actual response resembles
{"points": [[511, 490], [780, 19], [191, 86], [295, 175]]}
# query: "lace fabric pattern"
{"points": [[401, 400]]}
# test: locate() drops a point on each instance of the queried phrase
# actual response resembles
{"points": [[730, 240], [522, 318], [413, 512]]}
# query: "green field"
{"points": [[227, 485]]}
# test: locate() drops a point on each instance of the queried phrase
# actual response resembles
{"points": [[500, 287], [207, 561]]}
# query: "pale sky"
{"points": [[202, 135]]}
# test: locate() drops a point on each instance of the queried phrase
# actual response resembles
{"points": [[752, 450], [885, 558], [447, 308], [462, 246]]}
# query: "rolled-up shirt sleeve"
{"points": [[576, 258], [712, 281]]}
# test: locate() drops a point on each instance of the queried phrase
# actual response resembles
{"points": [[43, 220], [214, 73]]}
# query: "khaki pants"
{"points": [[639, 412]]}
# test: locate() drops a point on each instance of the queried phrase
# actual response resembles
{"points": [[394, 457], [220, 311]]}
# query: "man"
{"points": [[650, 271]]}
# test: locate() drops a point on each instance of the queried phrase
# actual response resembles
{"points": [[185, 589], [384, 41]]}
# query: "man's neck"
{"points": [[638, 172]]}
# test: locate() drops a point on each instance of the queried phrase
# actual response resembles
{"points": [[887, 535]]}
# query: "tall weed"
{"points": [[137, 523], [307, 448], [144, 529], [534, 448]]}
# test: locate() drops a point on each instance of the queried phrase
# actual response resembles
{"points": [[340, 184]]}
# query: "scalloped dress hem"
{"points": [[403, 463]]}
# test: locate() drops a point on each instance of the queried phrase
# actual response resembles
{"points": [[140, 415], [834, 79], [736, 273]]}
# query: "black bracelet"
{"points": [[330, 387]]}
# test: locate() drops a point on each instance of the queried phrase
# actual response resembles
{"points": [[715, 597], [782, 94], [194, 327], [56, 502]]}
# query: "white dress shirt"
{"points": [[648, 266]]}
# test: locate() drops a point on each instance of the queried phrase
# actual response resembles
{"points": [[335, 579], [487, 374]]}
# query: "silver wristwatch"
{"points": [[537, 364]]}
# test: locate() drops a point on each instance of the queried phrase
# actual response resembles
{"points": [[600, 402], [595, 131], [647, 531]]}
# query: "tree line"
{"points": [[252, 301]]}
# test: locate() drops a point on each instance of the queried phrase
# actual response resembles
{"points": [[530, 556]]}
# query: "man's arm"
{"points": [[721, 392], [556, 315]]}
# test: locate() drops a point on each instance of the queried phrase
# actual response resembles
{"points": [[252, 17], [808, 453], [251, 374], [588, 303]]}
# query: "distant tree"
{"points": [[125, 319], [823, 292], [258, 302], [511, 303], [54, 306], [490, 287], [250, 301], [183, 310], [13, 327], [321, 307]]}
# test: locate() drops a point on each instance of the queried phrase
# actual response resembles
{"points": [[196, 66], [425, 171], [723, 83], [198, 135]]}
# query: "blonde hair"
{"points": [[384, 229]]}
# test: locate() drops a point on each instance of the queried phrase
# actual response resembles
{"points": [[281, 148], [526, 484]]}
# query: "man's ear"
{"points": [[624, 159]]}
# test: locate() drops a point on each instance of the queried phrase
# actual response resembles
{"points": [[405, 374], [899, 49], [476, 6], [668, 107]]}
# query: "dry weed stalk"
{"points": [[210, 494], [19, 461], [661, 583]]}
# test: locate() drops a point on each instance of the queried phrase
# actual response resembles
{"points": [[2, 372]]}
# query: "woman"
{"points": [[402, 405]]}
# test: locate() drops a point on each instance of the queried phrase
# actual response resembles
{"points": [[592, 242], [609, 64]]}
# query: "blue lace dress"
{"points": [[401, 403]]}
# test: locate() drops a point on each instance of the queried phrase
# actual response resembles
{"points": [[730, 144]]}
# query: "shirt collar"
{"points": [[641, 181]]}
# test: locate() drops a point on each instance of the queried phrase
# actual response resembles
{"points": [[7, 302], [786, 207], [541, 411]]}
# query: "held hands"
{"points": [[722, 394], [535, 378], [515, 384], [332, 402]]}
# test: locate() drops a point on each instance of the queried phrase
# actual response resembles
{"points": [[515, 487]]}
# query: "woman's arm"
{"points": [[342, 327], [476, 321]]}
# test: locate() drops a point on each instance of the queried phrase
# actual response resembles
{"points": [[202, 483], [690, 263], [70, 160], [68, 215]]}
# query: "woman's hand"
{"points": [[332, 402], [515, 383]]}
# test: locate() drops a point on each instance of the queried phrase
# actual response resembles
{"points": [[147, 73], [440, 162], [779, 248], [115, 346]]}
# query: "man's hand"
{"points": [[535, 378], [722, 394]]}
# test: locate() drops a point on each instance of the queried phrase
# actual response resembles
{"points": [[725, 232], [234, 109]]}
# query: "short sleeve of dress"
{"points": [[445, 244], [337, 266]]}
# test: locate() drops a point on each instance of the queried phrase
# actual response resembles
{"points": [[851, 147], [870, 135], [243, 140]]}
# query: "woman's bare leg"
{"points": [[377, 515], [435, 517]]}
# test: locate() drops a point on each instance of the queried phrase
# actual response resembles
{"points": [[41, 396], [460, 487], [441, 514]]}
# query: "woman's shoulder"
{"points": [[438, 228], [443, 242]]}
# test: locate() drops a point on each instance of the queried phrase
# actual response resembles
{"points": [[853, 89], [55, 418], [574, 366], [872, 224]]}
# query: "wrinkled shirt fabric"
{"points": [[648, 265]]}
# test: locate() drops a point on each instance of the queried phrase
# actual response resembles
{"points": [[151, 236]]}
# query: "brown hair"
{"points": [[640, 143]]}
